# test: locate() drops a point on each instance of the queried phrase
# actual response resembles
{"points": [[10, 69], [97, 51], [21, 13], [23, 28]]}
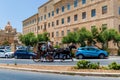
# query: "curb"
{"points": [[65, 72]]}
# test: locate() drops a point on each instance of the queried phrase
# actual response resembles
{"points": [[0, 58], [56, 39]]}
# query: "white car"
{"points": [[6, 54]]}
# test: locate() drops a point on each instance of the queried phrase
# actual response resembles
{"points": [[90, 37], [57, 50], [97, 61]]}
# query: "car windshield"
{"points": [[8, 50]]}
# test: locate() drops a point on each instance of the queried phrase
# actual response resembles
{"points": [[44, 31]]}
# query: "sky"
{"points": [[15, 11]]}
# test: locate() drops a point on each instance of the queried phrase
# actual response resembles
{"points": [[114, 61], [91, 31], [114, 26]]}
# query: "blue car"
{"points": [[23, 54], [89, 51]]}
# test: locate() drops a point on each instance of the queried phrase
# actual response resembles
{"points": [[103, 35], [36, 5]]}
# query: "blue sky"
{"points": [[16, 11]]}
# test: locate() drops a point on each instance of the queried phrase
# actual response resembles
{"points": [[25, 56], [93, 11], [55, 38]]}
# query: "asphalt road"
{"points": [[58, 62], [23, 75]]}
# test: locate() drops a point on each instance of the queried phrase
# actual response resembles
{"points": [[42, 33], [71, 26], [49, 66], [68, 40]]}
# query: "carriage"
{"points": [[45, 53]]}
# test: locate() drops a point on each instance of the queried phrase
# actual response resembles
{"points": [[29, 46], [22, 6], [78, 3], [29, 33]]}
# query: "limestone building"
{"points": [[59, 17], [7, 35]]}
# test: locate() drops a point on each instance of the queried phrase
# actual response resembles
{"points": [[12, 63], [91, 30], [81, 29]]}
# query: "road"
{"points": [[58, 62], [23, 75]]}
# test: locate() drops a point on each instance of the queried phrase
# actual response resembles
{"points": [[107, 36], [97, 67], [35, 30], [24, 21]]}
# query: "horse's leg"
{"points": [[70, 55], [57, 54], [41, 57]]}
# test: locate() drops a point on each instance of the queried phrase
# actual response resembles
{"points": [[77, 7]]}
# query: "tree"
{"points": [[40, 37], [81, 36], [105, 36], [65, 40], [95, 33], [70, 38], [117, 40], [43, 37], [84, 35], [21, 38], [28, 39]]}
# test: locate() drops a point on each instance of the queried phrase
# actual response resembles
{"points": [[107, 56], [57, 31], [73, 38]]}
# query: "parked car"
{"points": [[23, 54], [89, 51], [6, 53], [21, 47]]}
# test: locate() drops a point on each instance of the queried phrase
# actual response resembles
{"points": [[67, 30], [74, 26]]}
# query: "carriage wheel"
{"points": [[49, 58]]}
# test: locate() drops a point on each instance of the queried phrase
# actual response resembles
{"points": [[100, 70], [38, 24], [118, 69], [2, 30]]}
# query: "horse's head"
{"points": [[73, 46]]}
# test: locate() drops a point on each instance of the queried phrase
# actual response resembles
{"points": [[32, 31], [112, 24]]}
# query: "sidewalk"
{"points": [[62, 70]]}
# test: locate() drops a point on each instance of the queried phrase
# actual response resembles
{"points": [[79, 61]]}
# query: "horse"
{"points": [[65, 52]]}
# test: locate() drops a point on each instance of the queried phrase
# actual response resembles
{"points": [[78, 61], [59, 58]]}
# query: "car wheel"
{"points": [[101, 56], [6, 56], [16, 57], [31, 57], [80, 56]]}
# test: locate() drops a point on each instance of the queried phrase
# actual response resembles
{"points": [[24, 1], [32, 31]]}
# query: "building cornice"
{"points": [[30, 17], [45, 4]]}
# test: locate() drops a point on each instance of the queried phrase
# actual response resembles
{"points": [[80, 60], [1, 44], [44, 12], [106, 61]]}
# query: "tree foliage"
{"points": [[84, 35], [70, 38], [43, 37], [103, 36], [28, 39]]}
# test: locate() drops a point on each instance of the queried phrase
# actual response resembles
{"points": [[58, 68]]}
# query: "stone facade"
{"points": [[59, 17], [7, 35]]}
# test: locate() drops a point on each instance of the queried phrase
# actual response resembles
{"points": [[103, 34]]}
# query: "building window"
{"points": [[68, 7], [38, 27], [75, 3], [93, 12], [52, 34], [68, 19], [104, 9], [62, 33], [57, 11], [57, 34], [75, 17], [57, 22], [41, 18], [62, 20], [41, 26], [57, 43], [45, 26], [38, 19], [83, 1], [48, 25], [63, 8], [48, 14], [68, 31], [83, 15], [48, 34], [52, 24], [44, 17], [52, 13]]}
